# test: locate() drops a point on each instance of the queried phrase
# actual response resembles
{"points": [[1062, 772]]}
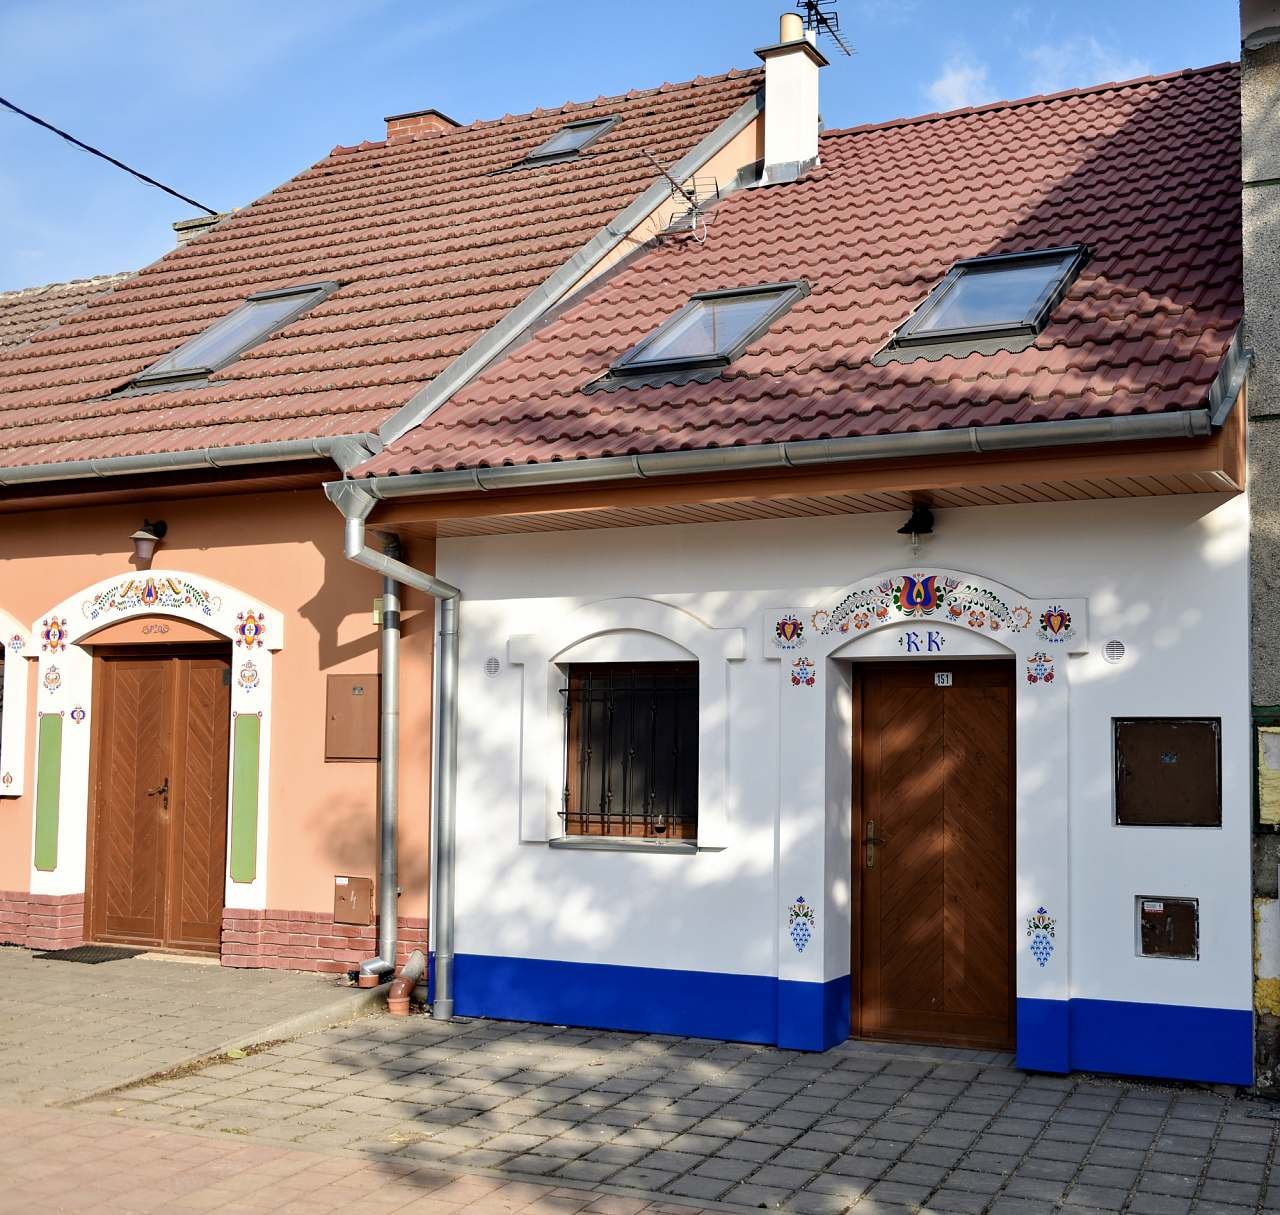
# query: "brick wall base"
{"points": [[41, 921], [308, 940]]}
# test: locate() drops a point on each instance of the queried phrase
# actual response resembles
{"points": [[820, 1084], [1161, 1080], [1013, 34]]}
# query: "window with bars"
{"points": [[631, 763]]}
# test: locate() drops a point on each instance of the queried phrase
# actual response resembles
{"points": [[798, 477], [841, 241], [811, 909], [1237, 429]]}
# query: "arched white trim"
{"points": [[13, 713], [931, 615], [65, 688], [640, 630]]}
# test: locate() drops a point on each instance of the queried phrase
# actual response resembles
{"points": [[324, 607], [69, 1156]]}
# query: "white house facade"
{"points": [[753, 928]]}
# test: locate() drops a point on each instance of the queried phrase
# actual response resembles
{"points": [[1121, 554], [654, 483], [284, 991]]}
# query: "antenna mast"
{"points": [[821, 17]]}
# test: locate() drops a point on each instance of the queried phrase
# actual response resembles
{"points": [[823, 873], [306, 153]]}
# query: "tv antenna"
{"points": [[821, 17]]}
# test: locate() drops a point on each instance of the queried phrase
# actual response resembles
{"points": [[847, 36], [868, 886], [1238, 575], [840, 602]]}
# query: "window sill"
{"points": [[609, 843]]}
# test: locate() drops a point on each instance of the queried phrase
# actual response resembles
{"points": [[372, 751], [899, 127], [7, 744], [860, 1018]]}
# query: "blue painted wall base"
{"points": [[1159, 1040], [699, 1004], [1169, 1041]]}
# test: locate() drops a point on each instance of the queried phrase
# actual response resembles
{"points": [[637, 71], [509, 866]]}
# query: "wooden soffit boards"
{"points": [[1214, 464]]}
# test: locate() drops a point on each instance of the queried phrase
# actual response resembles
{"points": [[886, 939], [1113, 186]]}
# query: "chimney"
{"points": [[420, 122], [189, 229], [790, 101]]}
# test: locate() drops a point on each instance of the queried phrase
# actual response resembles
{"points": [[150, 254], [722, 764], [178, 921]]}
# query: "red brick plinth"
{"points": [[41, 921], [308, 940]]}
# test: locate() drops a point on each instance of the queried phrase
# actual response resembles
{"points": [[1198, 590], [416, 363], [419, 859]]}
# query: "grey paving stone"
{"points": [[959, 1202], [1102, 1198]]}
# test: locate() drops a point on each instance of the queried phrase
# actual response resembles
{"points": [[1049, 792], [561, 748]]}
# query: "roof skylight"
{"points": [[570, 139], [226, 339], [711, 330], [1006, 294]]}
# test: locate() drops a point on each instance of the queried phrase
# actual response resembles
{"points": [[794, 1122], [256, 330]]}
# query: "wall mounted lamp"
{"points": [[145, 540], [920, 524]]}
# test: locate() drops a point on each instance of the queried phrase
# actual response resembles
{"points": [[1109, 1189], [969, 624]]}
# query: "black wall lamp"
{"points": [[920, 524], [145, 540]]}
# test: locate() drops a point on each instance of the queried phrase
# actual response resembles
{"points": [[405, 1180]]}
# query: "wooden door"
{"points": [[158, 842], [933, 781]]}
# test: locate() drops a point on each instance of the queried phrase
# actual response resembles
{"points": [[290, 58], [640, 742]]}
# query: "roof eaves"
{"points": [[496, 340], [346, 451]]}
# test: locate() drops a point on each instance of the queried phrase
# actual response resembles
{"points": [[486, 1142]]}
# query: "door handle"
{"points": [[161, 791], [870, 841]]}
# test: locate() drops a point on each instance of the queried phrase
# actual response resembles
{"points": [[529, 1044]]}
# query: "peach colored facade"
{"points": [[282, 551]]}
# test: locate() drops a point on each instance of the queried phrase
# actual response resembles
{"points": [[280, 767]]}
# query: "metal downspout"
{"points": [[356, 504], [389, 770]]}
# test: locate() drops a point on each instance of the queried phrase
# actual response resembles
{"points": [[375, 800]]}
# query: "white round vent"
{"points": [[492, 666], [1113, 651]]}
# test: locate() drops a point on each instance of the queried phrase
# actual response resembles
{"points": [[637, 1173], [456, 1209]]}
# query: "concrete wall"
{"points": [[283, 551], [1260, 199], [1168, 577]]}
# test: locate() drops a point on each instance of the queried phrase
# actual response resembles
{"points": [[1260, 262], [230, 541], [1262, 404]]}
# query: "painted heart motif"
{"points": [[1057, 621], [789, 628]]}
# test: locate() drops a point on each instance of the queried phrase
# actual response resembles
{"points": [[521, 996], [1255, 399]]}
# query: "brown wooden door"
{"points": [[933, 779], [158, 847]]}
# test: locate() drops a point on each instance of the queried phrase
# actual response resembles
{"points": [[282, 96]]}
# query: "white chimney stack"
{"points": [[790, 101]]}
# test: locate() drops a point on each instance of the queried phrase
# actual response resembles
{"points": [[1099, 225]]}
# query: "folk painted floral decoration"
{"points": [[927, 596], [802, 921], [803, 673], [1040, 928]]}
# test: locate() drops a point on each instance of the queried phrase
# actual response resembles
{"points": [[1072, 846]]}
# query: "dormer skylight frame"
{"points": [[308, 296], [912, 333], [633, 365], [603, 124]]}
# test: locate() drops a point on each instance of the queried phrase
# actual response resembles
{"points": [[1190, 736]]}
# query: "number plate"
{"points": [[942, 679]]}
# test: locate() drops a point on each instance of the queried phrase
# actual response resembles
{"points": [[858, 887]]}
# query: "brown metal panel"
{"points": [[933, 857], [352, 900], [1169, 928], [1168, 772], [351, 718]]}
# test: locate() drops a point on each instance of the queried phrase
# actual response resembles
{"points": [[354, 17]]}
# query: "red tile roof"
{"points": [[25, 313], [432, 245], [1146, 173]]}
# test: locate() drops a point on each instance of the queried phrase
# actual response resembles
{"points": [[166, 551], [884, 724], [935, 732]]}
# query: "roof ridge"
{"points": [[631, 95], [92, 280], [1033, 99]]}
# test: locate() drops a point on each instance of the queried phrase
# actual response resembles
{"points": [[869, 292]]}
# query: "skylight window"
{"points": [[711, 330], [1007, 294], [569, 140], [226, 339]]}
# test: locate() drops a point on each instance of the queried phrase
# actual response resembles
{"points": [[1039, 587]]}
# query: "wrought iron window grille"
{"points": [[631, 750]]}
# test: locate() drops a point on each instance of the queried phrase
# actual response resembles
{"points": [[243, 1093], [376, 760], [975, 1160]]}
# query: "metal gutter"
{"points": [[1230, 378], [355, 503], [1023, 436], [495, 341], [346, 451]]}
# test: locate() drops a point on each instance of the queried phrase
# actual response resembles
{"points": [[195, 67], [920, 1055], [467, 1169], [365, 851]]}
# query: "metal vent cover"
{"points": [[1113, 651], [492, 666]]}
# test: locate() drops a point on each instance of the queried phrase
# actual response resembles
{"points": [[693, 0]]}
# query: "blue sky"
{"points": [[227, 98]]}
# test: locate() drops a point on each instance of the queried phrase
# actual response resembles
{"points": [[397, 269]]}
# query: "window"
{"points": [[1168, 772], [1007, 294], [255, 320], [711, 330], [631, 765], [569, 140]]}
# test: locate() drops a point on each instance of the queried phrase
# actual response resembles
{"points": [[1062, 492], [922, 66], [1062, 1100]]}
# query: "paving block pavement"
{"points": [[60, 1160], [68, 1029], [864, 1127]]}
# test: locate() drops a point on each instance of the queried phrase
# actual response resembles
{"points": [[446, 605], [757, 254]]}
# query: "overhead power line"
{"points": [[119, 164]]}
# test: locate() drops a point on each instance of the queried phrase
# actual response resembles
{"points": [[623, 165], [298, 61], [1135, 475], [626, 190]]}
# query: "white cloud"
{"points": [[963, 81], [1078, 62]]}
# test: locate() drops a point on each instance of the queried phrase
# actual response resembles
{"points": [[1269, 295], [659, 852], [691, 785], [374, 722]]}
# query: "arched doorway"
{"points": [[154, 710]]}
